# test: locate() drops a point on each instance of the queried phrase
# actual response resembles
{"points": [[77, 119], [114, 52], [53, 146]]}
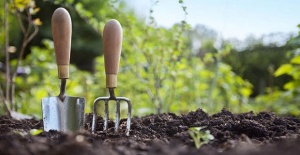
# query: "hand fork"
{"points": [[112, 42]]}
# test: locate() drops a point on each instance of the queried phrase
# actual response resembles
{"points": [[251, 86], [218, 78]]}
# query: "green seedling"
{"points": [[32, 132], [200, 136], [35, 132]]}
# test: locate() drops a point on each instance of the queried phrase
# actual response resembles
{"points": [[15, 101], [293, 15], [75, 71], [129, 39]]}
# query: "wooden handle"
{"points": [[112, 43], [62, 30]]}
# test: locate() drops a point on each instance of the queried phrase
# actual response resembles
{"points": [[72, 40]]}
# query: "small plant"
{"points": [[35, 132], [32, 132], [200, 136]]}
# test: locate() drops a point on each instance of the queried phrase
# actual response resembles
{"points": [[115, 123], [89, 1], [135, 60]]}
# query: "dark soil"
{"points": [[264, 133]]}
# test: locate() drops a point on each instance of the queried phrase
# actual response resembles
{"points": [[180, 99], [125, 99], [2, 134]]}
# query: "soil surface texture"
{"points": [[244, 134]]}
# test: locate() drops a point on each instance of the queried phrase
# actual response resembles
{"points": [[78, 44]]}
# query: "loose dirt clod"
{"points": [[245, 133]]}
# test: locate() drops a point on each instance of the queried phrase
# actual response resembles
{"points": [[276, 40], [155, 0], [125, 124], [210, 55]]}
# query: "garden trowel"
{"points": [[62, 112]]}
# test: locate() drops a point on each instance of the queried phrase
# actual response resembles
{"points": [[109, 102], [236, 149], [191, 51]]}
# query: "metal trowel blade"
{"points": [[63, 116]]}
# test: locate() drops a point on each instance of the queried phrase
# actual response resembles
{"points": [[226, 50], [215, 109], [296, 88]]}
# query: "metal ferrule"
{"points": [[63, 71], [111, 80]]}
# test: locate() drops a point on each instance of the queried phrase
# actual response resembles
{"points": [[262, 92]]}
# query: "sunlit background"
{"points": [[230, 18], [177, 56]]}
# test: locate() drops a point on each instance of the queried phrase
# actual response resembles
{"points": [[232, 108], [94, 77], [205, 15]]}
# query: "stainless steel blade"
{"points": [[63, 116]]}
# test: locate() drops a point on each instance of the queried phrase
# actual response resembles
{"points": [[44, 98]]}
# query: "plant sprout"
{"points": [[199, 136], [35, 132]]}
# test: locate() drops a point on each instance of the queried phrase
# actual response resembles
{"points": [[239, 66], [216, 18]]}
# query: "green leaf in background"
{"points": [[284, 69], [289, 86], [245, 91], [296, 60]]}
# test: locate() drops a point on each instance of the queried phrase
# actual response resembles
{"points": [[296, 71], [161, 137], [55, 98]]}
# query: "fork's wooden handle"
{"points": [[112, 43], [62, 30]]}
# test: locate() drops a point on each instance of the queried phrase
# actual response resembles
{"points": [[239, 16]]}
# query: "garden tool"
{"points": [[62, 112], [112, 42]]}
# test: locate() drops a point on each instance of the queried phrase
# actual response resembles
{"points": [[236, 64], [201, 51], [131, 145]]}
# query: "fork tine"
{"points": [[106, 115], [128, 117], [117, 115], [94, 117], [94, 121]]}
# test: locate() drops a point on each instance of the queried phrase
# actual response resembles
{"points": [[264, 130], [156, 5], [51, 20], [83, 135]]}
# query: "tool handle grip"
{"points": [[112, 43], [61, 31]]}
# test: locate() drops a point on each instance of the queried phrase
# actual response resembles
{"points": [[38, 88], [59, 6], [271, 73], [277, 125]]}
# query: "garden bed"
{"points": [[245, 133]]}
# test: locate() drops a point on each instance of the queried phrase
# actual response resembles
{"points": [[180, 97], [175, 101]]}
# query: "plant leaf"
{"points": [[35, 132], [284, 69], [296, 60]]}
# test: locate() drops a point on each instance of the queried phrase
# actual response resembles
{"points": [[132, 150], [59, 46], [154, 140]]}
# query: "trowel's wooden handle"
{"points": [[112, 42], [62, 30]]}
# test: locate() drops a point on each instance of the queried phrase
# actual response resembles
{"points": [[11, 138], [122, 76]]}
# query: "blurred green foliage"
{"points": [[159, 71], [257, 64], [287, 101]]}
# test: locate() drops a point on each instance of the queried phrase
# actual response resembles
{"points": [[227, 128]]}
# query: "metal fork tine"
{"points": [[128, 117], [94, 117], [106, 115], [117, 115]]}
